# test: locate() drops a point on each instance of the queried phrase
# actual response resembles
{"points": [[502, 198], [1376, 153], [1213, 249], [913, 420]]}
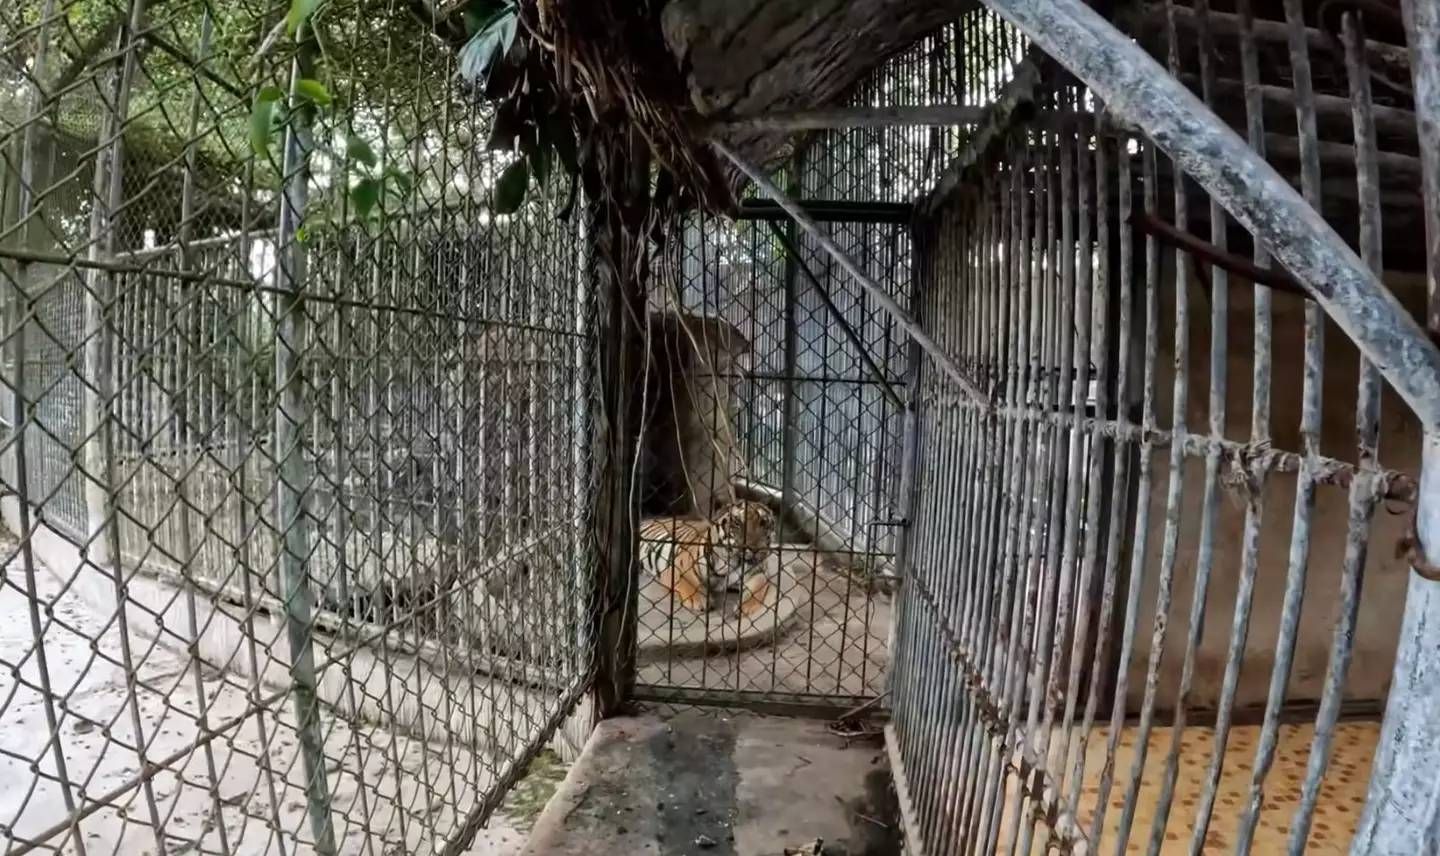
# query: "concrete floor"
{"points": [[831, 638], [701, 782]]}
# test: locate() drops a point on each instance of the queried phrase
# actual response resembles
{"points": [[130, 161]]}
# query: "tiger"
{"points": [[696, 558]]}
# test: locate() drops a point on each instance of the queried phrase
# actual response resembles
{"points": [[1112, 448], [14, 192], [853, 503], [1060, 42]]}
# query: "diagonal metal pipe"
{"points": [[1138, 90]]}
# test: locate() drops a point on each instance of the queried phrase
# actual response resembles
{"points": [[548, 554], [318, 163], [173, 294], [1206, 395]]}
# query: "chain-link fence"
{"points": [[296, 449], [816, 393]]}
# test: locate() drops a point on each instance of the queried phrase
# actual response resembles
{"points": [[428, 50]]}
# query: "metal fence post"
{"points": [[294, 469], [98, 340], [581, 479], [17, 308], [1402, 810]]}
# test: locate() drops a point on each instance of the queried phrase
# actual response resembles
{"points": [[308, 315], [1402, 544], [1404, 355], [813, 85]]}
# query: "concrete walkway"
{"points": [[705, 783]]}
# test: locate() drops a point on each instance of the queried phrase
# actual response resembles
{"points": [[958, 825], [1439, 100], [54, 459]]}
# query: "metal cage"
{"points": [[1141, 610]]}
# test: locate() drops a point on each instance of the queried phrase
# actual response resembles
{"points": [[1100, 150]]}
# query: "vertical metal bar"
{"points": [[957, 595], [102, 477], [1023, 250], [1120, 485], [99, 290], [923, 723], [1010, 377], [973, 593], [1402, 813], [1003, 210], [1205, 558], [1062, 474], [1311, 395], [581, 383], [189, 471], [1071, 753], [1139, 91], [1029, 565], [1256, 477], [20, 309], [1363, 490], [294, 469], [1172, 500], [945, 586], [1422, 32], [1073, 616]]}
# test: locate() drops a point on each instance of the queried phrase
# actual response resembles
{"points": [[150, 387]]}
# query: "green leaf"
{"points": [[505, 128], [302, 235], [364, 195], [540, 160], [480, 12], [262, 119], [510, 189], [489, 45], [313, 90], [560, 134], [359, 150], [401, 180], [300, 12]]}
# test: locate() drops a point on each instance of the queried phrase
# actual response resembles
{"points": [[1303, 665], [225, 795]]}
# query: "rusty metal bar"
{"points": [[1256, 476], [1123, 452], [1001, 672], [1205, 558], [1214, 255], [1310, 428], [1077, 734], [1363, 494]]}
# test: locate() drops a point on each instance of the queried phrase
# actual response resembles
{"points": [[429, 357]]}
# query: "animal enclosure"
{"points": [[1057, 397], [1140, 592]]}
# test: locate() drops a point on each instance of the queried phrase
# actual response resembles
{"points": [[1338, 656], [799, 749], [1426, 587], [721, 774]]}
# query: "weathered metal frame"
{"points": [[1140, 91], [1141, 94]]}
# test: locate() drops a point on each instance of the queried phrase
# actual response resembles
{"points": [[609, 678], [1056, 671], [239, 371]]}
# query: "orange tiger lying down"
{"points": [[695, 558]]}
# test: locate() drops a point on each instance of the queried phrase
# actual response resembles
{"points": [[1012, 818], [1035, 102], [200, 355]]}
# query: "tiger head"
{"points": [[747, 527]]}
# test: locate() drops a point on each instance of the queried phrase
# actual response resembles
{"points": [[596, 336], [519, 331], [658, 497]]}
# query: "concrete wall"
{"points": [[1385, 577]]}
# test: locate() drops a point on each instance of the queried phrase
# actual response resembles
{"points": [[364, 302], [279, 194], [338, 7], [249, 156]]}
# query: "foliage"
{"points": [[531, 117]]}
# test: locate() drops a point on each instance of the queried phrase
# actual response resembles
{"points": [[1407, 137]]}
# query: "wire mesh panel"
{"points": [[296, 452], [1141, 610], [813, 411], [813, 407]]}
